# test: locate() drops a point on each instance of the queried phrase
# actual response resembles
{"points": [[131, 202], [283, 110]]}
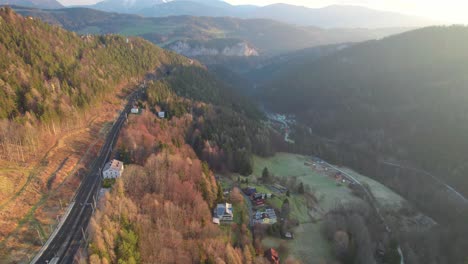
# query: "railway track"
{"points": [[65, 242]]}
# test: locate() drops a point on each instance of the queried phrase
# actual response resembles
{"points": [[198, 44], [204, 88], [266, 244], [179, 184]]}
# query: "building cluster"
{"points": [[265, 216]]}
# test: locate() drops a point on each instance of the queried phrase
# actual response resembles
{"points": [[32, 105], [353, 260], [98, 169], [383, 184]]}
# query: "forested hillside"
{"points": [[43, 66], [159, 212], [405, 94], [50, 78], [390, 108], [48, 75], [227, 127]]}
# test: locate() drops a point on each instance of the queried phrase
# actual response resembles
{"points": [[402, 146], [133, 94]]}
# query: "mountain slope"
{"points": [[403, 98], [56, 86], [46, 4], [42, 66], [266, 36]]}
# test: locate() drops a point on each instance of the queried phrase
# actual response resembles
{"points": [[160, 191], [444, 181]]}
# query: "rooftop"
{"points": [[224, 209], [114, 165]]}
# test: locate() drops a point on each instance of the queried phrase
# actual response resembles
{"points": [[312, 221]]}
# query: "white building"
{"points": [[223, 212], [113, 169], [161, 114], [135, 110]]}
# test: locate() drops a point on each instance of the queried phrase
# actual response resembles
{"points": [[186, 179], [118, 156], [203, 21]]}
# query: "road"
{"points": [[66, 240], [282, 119], [249, 207], [372, 202], [448, 187]]}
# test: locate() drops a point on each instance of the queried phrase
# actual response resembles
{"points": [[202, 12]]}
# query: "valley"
{"points": [[330, 191], [201, 131]]}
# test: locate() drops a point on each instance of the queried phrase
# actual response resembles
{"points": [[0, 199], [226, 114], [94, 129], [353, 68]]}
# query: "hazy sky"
{"points": [[446, 10]]}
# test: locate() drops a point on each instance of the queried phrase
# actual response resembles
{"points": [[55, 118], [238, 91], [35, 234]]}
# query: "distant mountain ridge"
{"points": [[267, 37], [332, 16], [125, 6], [338, 16], [45, 4]]}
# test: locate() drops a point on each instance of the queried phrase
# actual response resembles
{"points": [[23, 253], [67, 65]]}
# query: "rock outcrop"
{"points": [[240, 49]]}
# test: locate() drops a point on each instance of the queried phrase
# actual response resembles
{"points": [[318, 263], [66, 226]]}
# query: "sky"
{"points": [[454, 11]]}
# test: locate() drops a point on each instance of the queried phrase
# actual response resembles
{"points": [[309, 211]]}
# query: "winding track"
{"points": [[62, 247]]}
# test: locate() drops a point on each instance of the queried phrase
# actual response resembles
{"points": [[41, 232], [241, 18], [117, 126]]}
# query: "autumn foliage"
{"points": [[161, 206]]}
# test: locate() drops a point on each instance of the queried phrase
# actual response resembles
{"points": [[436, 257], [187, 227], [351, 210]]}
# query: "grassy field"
{"points": [[325, 188], [385, 197], [308, 244]]}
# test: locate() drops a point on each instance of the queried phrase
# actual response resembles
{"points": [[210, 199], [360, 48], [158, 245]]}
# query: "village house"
{"points": [[249, 191], [113, 169], [223, 212], [267, 217]]}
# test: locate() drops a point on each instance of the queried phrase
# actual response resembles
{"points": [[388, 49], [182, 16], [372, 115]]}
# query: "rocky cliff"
{"points": [[194, 49]]}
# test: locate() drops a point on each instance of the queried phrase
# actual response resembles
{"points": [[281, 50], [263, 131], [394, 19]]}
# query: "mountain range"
{"points": [[336, 16], [45, 4], [267, 37], [327, 17]]}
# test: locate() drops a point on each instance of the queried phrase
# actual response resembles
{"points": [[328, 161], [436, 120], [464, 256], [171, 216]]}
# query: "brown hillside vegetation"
{"points": [[46, 186], [58, 93], [159, 212]]}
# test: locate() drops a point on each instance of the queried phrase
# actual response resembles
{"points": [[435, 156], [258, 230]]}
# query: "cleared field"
{"points": [[308, 244], [328, 192], [384, 196]]}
